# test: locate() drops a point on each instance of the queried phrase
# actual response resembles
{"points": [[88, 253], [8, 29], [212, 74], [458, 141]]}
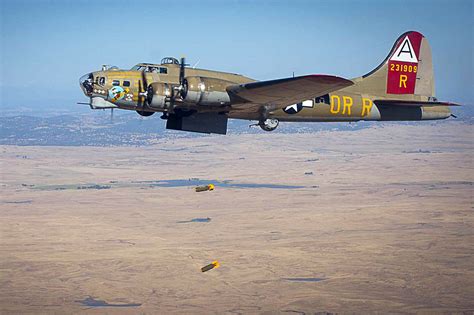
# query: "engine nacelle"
{"points": [[205, 91], [144, 113], [159, 95]]}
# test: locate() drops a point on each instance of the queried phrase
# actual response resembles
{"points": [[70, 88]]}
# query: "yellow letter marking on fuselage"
{"points": [[347, 101], [403, 81], [333, 108], [336, 107], [366, 106]]}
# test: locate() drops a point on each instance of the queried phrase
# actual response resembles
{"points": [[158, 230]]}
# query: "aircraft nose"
{"points": [[86, 83]]}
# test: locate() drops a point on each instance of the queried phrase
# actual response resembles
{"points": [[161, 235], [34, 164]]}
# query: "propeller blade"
{"points": [[181, 71], [178, 91], [142, 86]]}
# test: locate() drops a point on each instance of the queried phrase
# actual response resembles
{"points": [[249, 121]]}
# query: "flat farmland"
{"points": [[372, 220]]}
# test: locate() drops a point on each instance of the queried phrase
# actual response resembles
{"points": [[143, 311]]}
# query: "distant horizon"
{"points": [[127, 128], [48, 45]]}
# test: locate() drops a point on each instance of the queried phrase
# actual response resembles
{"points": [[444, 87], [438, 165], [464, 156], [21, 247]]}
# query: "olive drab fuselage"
{"points": [[400, 88], [123, 89]]}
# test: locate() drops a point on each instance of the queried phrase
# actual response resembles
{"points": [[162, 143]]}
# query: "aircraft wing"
{"points": [[249, 97]]}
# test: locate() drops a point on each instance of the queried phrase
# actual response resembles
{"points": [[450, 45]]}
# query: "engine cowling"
{"points": [[159, 95], [144, 113], [205, 91]]}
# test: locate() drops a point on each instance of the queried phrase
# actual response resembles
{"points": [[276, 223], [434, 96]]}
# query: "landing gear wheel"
{"points": [[269, 124]]}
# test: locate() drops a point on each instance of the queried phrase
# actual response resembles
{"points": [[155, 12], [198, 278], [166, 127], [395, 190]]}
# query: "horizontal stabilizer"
{"points": [[411, 103]]}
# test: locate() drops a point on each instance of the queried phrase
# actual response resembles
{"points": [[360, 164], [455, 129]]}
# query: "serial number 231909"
{"points": [[403, 68]]}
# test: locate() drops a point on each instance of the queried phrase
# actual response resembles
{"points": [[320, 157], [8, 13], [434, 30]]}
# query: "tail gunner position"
{"points": [[197, 100]]}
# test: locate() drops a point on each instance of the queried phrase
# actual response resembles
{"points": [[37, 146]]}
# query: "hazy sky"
{"points": [[47, 45]]}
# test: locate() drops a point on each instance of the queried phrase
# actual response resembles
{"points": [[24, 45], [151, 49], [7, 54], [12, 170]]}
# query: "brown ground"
{"points": [[389, 227]]}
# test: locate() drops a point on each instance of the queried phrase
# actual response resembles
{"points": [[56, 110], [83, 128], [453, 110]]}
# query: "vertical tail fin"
{"points": [[408, 68]]}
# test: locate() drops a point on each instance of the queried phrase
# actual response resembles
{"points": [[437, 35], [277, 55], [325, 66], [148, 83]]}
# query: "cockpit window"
{"points": [[169, 60], [102, 81], [152, 69], [126, 83], [115, 82]]}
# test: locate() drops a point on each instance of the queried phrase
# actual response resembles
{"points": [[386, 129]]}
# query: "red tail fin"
{"points": [[403, 64], [408, 68]]}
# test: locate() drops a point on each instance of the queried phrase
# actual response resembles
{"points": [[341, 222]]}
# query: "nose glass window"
{"points": [[86, 83], [126, 83], [115, 82]]}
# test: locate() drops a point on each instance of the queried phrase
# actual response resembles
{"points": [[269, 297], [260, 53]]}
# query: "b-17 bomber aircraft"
{"points": [[401, 88]]}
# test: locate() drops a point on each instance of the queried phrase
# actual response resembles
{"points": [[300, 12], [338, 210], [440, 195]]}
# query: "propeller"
{"points": [[179, 91], [182, 64], [141, 89]]}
